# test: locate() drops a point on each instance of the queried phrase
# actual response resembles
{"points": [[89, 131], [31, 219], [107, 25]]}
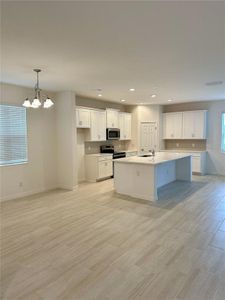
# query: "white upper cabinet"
{"points": [[172, 125], [112, 118], [194, 124], [83, 117], [98, 126], [125, 126], [185, 125]]}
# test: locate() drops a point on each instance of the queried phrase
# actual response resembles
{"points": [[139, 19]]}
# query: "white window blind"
{"points": [[13, 135]]}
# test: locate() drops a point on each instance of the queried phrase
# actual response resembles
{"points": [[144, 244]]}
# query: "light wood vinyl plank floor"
{"points": [[93, 244]]}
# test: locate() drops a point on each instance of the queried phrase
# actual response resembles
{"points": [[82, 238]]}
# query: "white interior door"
{"points": [[148, 137]]}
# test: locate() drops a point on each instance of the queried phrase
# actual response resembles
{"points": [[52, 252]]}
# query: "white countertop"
{"points": [[183, 151], [99, 154], [159, 158], [134, 150]]}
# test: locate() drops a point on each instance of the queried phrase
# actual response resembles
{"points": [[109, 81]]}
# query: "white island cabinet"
{"points": [[140, 177]]}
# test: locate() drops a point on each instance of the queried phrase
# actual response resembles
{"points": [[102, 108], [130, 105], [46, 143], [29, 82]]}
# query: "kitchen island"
{"points": [[140, 177]]}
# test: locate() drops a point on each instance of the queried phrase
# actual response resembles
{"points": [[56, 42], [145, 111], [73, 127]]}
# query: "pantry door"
{"points": [[148, 136]]}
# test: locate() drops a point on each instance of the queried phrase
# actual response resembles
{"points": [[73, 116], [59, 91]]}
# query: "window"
{"points": [[13, 135], [223, 133]]}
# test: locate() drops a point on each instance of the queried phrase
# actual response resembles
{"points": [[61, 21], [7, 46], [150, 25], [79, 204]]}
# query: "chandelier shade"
{"points": [[37, 101]]}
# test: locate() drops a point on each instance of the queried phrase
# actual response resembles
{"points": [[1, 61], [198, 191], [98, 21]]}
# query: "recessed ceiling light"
{"points": [[170, 100], [132, 90], [153, 95], [122, 100], [99, 95]]}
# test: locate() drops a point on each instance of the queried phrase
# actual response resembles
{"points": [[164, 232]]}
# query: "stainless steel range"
{"points": [[110, 149]]}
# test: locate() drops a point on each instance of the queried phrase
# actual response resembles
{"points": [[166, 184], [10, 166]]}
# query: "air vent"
{"points": [[212, 83]]}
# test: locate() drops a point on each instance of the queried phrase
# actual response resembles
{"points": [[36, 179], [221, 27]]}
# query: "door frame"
{"points": [[157, 134]]}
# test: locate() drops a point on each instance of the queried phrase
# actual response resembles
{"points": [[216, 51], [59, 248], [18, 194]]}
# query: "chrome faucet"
{"points": [[152, 152]]}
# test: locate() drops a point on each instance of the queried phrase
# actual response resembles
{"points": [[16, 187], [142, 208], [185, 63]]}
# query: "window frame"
{"points": [[222, 121], [17, 162]]}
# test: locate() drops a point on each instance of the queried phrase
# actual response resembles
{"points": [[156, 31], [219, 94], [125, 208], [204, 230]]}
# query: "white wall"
{"points": [[66, 140], [81, 154], [145, 113], [39, 174], [215, 162]]}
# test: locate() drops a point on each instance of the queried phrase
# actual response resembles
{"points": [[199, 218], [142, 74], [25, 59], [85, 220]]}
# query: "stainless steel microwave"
{"points": [[112, 133]]}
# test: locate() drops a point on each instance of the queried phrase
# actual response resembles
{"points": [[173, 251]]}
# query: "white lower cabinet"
{"points": [[198, 160], [98, 167]]}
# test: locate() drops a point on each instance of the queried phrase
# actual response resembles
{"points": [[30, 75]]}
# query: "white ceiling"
{"points": [[166, 48]]}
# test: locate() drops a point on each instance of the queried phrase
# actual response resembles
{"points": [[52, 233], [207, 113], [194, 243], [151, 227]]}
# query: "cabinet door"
{"points": [[194, 123], [196, 164], [94, 135], [105, 169], [112, 117], [101, 169], [109, 168], [102, 125], [121, 126], [83, 118], [98, 126], [172, 126], [188, 125], [127, 126], [199, 125], [177, 125]]}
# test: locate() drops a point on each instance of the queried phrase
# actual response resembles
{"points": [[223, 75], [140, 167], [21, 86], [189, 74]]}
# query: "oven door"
{"points": [[113, 134]]}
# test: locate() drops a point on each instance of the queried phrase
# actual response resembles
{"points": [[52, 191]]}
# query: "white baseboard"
{"points": [[26, 193]]}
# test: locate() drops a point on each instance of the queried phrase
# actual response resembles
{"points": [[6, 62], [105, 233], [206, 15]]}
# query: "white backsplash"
{"points": [[94, 147]]}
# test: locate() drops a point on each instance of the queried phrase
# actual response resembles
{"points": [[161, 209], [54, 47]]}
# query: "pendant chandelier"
{"points": [[37, 102]]}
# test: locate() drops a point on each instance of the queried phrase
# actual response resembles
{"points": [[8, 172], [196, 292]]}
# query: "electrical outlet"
{"points": [[89, 148], [193, 145], [20, 184], [138, 173], [177, 144]]}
